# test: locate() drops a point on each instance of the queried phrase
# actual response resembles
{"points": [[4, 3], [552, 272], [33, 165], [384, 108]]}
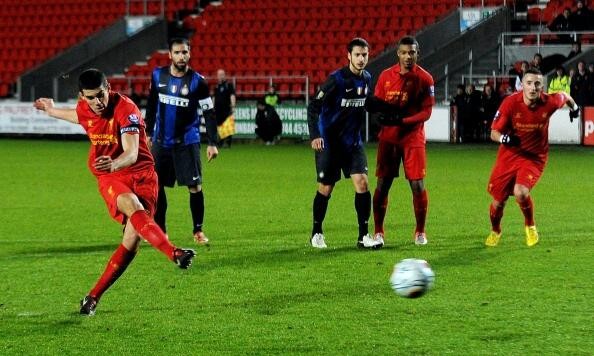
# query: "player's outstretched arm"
{"points": [[47, 105]]}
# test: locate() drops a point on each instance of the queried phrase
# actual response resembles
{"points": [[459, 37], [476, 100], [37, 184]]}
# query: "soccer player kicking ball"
{"points": [[521, 126], [120, 160]]}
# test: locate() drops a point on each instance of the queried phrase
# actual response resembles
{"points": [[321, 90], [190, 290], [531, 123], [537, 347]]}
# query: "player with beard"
{"points": [[120, 160], [408, 89], [335, 117], [177, 95], [521, 125]]}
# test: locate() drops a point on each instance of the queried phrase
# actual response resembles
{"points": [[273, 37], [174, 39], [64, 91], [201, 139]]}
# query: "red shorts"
{"points": [[144, 184], [507, 173], [389, 156]]}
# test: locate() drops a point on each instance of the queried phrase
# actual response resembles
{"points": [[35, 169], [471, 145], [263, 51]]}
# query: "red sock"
{"points": [[380, 206], [148, 229], [528, 210], [496, 214], [420, 202], [117, 264]]}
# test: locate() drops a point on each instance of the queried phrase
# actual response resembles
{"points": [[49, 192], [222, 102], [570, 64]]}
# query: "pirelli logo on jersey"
{"points": [[352, 103], [173, 100]]}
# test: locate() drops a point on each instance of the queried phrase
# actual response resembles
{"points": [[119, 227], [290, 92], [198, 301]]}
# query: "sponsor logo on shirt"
{"points": [[352, 103], [174, 100]]}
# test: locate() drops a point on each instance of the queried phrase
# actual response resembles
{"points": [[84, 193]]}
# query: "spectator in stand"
{"points": [[581, 86], [576, 48], [563, 23], [271, 98], [523, 68], [582, 17], [489, 105], [571, 75], [458, 102], [537, 61], [560, 82], [268, 123], [469, 114]]}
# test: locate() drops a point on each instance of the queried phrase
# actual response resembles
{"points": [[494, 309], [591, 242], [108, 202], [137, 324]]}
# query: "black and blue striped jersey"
{"points": [[337, 112], [175, 106]]}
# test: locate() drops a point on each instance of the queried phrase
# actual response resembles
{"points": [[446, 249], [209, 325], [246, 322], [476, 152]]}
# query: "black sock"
{"points": [[161, 208], [320, 205], [197, 210], [363, 208]]}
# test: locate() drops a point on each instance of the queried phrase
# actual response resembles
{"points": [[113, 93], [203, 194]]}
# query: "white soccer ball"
{"points": [[412, 278]]}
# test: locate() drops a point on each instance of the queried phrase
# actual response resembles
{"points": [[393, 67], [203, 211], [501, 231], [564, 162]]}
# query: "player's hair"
{"points": [[178, 40], [357, 42], [408, 40], [533, 70], [91, 79]]}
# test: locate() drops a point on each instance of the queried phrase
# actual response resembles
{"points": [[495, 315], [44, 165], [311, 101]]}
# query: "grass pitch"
{"points": [[260, 289]]}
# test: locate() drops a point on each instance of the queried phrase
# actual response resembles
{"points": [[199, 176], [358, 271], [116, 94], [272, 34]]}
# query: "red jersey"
{"points": [[120, 117], [414, 93], [531, 125]]}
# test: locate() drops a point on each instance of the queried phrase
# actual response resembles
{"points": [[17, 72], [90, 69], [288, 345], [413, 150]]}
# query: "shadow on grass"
{"points": [[65, 250]]}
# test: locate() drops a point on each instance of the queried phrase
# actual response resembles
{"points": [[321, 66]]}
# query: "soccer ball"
{"points": [[412, 278]]}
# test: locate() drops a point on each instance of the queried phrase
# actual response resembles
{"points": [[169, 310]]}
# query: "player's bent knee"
{"points": [[128, 203]]}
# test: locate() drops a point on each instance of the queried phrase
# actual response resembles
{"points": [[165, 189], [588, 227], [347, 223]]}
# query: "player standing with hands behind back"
{"points": [[335, 117], [521, 125], [173, 122], [408, 89], [120, 160]]}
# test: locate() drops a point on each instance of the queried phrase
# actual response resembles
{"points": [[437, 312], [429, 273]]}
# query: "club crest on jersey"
{"points": [[173, 89], [184, 90], [133, 119]]}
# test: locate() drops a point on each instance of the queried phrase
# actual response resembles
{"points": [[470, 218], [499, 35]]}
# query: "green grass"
{"points": [[260, 289]]}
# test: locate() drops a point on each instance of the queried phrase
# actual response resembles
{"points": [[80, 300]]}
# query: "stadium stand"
{"points": [[44, 28], [288, 41]]}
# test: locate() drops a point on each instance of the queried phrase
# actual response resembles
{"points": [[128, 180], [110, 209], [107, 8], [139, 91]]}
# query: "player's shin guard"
{"points": [[152, 233], [363, 208], [380, 206], [420, 203], [160, 213], [117, 264], [496, 214], [197, 210], [320, 206], [527, 208]]}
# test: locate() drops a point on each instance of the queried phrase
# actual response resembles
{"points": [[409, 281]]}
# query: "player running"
{"points": [[120, 160], [521, 125]]}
